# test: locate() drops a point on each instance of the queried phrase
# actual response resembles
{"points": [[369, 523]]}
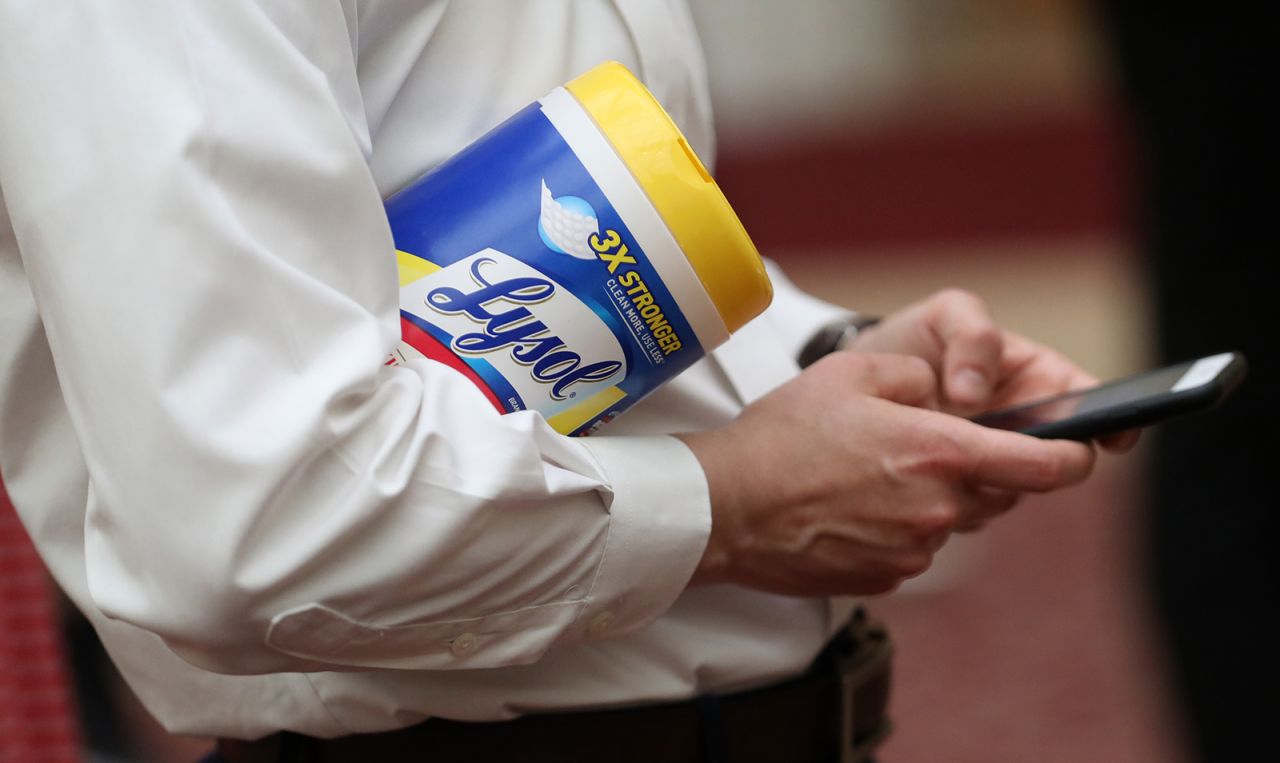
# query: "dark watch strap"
{"points": [[834, 336]]}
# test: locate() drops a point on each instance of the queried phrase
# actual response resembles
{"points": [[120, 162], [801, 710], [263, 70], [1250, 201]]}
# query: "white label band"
{"points": [[638, 213]]}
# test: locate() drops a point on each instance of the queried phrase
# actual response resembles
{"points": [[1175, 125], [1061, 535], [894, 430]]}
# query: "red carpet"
{"points": [[37, 723], [1041, 651]]}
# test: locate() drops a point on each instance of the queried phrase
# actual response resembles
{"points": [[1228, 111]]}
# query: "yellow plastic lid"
{"points": [[680, 188]]}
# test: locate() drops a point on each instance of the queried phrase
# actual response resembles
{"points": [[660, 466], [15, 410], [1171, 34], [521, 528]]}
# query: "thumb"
{"points": [[972, 349]]}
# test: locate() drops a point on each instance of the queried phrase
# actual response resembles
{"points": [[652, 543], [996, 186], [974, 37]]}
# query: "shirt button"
{"points": [[463, 644], [600, 623]]}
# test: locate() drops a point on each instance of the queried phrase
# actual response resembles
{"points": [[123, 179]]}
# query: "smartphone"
{"points": [[1135, 401]]}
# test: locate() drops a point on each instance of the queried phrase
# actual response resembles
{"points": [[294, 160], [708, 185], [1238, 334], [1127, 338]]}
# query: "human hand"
{"points": [[843, 481], [980, 367]]}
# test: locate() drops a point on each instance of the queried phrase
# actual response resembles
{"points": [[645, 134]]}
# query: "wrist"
{"points": [[715, 563], [835, 337]]}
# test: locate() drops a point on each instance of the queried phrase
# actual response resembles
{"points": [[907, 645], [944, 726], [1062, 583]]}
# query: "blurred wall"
{"points": [[779, 66], [812, 65], [871, 126]]}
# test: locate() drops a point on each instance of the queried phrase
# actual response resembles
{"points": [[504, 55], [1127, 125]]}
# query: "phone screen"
{"points": [[1110, 396], [1135, 401]]}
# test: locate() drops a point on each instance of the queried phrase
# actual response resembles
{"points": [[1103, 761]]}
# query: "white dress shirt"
{"points": [[269, 528]]}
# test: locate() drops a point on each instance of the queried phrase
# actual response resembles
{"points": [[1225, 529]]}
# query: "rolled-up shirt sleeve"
{"points": [[189, 187]]}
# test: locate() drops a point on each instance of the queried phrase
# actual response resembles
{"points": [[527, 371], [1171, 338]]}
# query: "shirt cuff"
{"points": [[660, 519]]}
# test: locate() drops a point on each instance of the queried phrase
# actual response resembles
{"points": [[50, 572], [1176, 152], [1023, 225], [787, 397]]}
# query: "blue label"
{"points": [[542, 297]]}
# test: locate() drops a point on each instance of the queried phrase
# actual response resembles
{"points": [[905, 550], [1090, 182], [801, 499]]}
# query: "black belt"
{"points": [[834, 712]]}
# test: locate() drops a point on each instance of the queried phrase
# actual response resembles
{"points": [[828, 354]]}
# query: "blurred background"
{"points": [[883, 150], [1020, 149], [1095, 171]]}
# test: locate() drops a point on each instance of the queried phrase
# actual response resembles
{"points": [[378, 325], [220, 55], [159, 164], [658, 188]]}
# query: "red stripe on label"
{"points": [[434, 349]]}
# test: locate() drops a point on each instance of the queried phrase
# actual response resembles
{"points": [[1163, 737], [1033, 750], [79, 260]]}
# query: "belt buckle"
{"points": [[868, 661]]}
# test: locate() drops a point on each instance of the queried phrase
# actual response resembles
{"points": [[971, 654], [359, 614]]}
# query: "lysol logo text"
{"points": [[499, 307]]}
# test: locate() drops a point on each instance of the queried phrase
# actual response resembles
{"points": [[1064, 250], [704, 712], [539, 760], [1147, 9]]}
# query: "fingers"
{"points": [[1019, 462], [972, 508], [972, 347], [1032, 371], [876, 559], [1120, 442], [985, 503]]}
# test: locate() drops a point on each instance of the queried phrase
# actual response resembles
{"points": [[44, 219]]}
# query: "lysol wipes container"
{"points": [[574, 258]]}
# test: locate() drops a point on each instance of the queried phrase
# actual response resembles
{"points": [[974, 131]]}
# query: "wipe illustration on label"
{"points": [[565, 223], [518, 272]]}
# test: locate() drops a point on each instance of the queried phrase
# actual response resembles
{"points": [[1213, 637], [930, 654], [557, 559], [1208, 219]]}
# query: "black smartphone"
{"points": [[1134, 401]]}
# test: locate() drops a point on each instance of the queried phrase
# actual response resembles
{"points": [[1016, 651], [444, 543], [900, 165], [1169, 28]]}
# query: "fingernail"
{"points": [[970, 384]]}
